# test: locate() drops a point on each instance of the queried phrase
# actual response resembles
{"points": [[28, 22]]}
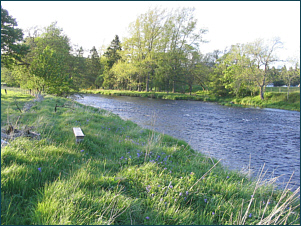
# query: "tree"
{"points": [[12, 50], [159, 49], [50, 62], [262, 55], [111, 57], [181, 34], [8, 77], [238, 70], [289, 75], [143, 45], [112, 54], [205, 68], [79, 66], [190, 70], [50, 67], [93, 67]]}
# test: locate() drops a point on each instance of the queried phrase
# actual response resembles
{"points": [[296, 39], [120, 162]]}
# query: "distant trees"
{"points": [[111, 56], [161, 53], [245, 69], [79, 67], [289, 75], [262, 55], [113, 52], [93, 68]]}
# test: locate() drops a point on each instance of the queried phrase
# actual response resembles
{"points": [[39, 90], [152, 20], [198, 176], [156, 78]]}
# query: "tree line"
{"points": [[162, 53]]}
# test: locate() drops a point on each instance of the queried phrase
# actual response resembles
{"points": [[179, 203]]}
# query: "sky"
{"points": [[95, 23]]}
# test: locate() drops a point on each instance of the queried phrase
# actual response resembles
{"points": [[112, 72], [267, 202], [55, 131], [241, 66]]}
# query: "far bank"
{"points": [[276, 100]]}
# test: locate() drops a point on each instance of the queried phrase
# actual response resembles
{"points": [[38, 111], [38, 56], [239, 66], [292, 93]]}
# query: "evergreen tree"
{"points": [[80, 67], [112, 53], [93, 68]]}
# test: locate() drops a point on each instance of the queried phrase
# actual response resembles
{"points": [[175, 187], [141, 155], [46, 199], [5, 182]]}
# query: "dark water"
{"points": [[244, 138]]}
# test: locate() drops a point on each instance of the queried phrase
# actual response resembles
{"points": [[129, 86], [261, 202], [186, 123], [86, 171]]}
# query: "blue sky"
{"points": [[95, 23]]}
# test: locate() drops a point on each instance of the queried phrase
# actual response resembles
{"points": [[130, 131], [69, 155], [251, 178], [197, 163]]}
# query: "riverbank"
{"points": [[120, 174], [272, 99]]}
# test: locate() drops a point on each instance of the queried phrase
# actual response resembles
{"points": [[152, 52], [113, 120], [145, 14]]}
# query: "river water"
{"points": [[246, 139]]}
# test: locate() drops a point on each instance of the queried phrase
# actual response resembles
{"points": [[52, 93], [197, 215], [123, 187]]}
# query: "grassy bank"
{"points": [[201, 96], [272, 99], [120, 174]]}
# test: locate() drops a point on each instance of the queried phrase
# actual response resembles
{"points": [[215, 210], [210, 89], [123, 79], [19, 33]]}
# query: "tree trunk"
{"points": [[261, 93], [173, 86], [147, 83]]}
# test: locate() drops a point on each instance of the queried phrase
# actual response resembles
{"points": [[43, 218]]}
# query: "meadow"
{"points": [[121, 174]]}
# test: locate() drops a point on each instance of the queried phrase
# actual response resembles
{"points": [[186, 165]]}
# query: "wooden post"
{"points": [[79, 135]]}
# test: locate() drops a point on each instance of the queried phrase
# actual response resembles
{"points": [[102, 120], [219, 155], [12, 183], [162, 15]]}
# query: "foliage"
{"points": [[49, 66], [93, 68], [244, 69], [289, 75], [12, 49], [79, 66], [112, 54], [10, 80], [162, 50]]}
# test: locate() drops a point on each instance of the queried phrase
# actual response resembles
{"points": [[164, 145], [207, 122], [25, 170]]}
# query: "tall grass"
{"points": [[122, 174]]}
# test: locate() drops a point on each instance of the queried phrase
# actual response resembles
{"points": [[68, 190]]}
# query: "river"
{"points": [[244, 138]]}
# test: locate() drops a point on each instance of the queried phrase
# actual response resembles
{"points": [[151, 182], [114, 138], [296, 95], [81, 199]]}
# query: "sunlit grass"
{"points": [[123, 174], [273, 100]]}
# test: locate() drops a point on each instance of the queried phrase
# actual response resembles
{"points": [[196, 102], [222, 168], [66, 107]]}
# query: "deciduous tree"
{"points": [[12, 48], [263, 55], [50, 66]]}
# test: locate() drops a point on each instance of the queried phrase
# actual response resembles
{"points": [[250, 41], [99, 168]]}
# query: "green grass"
{"points": [[199, 96], [121, 174], [272, 100]]}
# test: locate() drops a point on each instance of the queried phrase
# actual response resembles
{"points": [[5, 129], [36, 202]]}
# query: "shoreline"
{"points": [[255, 102]]}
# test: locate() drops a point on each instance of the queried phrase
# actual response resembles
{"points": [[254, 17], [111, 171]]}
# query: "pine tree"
{"points": [[112, 52], [94, 67]]}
